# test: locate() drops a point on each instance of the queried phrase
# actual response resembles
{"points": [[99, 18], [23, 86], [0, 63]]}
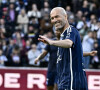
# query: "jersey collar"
{"points": [[68, 29]]}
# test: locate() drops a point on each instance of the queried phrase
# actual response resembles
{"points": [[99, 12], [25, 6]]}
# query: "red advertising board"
{"points": [[35, 79], [93, 78], [22, 79]]}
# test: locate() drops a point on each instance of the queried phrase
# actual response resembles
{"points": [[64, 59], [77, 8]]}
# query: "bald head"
{"points": [[59, 18], [59, 9]]}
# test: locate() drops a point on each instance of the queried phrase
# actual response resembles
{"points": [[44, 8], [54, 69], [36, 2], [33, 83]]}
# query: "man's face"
{"points": [[0, 52], [90, 34], [58, 19], [34, 47]]}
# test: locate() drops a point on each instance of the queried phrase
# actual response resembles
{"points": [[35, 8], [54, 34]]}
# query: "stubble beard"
{"points": [[61, 28]]}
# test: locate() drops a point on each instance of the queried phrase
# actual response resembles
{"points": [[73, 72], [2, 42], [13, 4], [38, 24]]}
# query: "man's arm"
{"points": [[63, 43], [67, 43], [41, 56], [92, 53]]}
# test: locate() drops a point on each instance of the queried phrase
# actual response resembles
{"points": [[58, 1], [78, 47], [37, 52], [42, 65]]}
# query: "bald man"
{"points": [[70, 72]]}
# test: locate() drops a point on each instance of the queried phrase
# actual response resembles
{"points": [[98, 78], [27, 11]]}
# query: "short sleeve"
{"points": [[72, 36], [47, 48]]}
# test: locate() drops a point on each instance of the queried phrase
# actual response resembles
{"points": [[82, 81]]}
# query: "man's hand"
{"points": [[36, 61], [93, 53], [45, 40]]}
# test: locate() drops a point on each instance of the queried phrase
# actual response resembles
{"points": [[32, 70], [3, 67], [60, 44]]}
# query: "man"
{"points": [[70, 73], [52, 74], [87, 44], [32, 54]]}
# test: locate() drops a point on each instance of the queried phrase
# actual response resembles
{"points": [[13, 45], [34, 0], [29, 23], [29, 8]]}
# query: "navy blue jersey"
{"points": [[52, 72], [53, 57], [71, 75]]}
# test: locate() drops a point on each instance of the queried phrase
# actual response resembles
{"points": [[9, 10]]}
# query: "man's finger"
{"points": [[41, 36], [42, 40], [95, 52]]}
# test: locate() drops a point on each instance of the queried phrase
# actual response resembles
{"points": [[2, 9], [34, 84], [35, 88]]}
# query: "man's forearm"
{"points": [[86, 54], [41, 56], [62, 43]]}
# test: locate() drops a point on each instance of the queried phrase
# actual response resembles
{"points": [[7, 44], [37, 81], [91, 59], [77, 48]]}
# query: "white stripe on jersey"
{"points": [[71, 68]]}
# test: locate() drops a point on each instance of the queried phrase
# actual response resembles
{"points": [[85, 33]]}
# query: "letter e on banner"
{"points": [[11, 80], [94, 82], [36, 79], [1, 80]]}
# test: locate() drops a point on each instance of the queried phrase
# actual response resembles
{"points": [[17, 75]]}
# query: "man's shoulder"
{"points": [[30, 51], [73, 29]]}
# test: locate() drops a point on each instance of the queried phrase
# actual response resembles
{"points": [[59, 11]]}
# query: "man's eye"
{"points": [[56, 16], [51, 18]]}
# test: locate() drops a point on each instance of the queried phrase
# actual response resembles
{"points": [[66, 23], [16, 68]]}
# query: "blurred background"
{"points": [[22, 21]]}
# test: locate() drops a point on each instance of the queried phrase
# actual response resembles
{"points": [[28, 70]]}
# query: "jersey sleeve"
{"points": [[47, 48], [72, 36]]}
